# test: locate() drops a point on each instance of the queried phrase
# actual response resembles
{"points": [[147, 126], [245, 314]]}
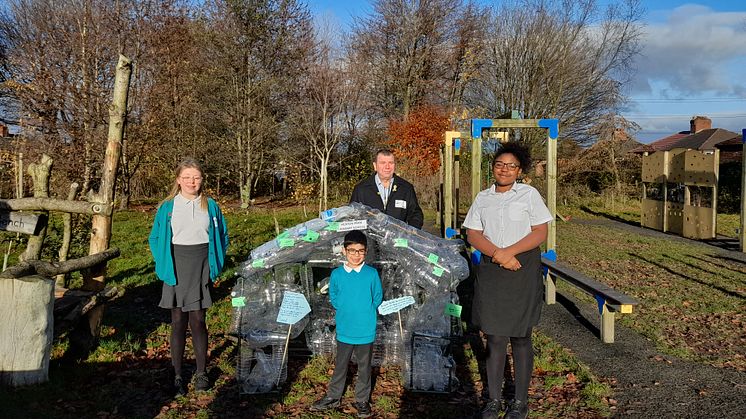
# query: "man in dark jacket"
{"points": [[386, 191]]}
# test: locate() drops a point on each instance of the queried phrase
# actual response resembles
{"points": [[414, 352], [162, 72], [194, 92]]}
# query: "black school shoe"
{"points": [[518, 410], [201, 382], [325, 403], [491, 410], [363, 409], [179, 387]]}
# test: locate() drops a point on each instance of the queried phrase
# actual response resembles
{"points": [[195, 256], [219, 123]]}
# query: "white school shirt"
{"points": [[349, 269], [506, 217], [189, 222]]}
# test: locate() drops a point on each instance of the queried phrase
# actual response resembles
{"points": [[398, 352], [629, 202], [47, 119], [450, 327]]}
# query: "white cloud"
{"points": [[693, 51]]}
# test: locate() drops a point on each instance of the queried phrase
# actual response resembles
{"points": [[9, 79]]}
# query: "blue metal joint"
{"points": [[477, 125], [552, 125]]}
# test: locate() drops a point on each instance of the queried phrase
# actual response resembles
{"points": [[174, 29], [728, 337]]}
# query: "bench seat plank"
{"points": [[591, 286]]}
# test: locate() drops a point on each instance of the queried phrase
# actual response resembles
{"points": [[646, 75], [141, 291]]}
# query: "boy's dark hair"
{"points": [[520, 151], [356, 237]]}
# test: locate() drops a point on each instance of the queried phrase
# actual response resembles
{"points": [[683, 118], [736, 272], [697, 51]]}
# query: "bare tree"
{"points": [[416, 51], [557, 59], [327, 112], [258, 52]]}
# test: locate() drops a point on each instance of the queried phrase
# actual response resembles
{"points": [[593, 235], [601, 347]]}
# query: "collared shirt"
{"points": [[189, 222], [349, 269], [384, 192], [506, 217]]}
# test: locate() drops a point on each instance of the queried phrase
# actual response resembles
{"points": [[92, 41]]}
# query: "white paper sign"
{"points": [[392, 306], [293, 308], [400, 203], [353, 225]]}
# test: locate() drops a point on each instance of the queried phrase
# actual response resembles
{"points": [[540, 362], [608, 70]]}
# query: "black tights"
{"points": [[523, 361], [196, 322]]}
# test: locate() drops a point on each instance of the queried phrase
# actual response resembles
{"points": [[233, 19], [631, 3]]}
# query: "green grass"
{"points": [[691, 300]]}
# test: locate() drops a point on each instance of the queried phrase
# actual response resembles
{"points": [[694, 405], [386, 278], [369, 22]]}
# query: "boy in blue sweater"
{"points": [[355, 291]]}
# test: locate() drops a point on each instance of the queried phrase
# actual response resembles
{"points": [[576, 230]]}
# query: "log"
{"points": [[51, 204], [94, 279], [67, 221], [39, 173], [26, 307], [50, 269]]}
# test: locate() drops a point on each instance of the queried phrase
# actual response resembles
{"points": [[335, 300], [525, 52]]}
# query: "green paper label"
{"points": [[433, 258], [333, 226], [401, 243], [287, 243], [238, 301], [259, 263], [283, 235], [438, 271], [311, 236], [453, 310]]}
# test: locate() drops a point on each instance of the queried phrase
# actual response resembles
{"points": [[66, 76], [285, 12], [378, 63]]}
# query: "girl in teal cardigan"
{"points": [[188, 242]]}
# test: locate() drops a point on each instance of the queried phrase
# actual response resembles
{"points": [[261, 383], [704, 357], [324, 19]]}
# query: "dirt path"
{"points": [[647, 383]]}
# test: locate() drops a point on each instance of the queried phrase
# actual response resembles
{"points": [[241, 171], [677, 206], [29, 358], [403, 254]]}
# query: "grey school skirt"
{"points": [[192, 289], [508, 303]]}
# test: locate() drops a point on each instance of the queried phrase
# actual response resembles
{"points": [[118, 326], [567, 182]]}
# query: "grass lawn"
{"points": [[127, 375], [692, 300]]}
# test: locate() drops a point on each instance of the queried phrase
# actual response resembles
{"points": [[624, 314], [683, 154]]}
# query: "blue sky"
{"points": [[693, 62]]}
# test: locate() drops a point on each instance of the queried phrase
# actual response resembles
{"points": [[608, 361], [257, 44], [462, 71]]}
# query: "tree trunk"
{"points": [[39, 173], [67, 221], [94, 279], [26, 307]]}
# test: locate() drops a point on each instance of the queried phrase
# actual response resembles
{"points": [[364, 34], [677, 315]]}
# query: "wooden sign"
{"points": [[18, 222]]}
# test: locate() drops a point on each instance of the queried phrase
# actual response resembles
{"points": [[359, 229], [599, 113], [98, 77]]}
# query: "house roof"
{"points": [[706, 139], [662, 144]]}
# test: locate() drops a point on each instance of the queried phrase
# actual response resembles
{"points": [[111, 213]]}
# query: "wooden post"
{"points": [[448, 180], [666, 165], [552, 191], [742, 231], [456, 180], [550, 288], [67, 221], [39, 173], [476, 167], [439, 219], [101, 225], [715, 194], [644, 185], [26, 307], [19, 176], [607, 325]]}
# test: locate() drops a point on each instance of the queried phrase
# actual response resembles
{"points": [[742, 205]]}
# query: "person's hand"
{"points": [[500, 256], [512, 264]]}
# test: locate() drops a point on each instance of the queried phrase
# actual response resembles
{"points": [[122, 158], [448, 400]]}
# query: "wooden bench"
{"points": [[609, 300]]}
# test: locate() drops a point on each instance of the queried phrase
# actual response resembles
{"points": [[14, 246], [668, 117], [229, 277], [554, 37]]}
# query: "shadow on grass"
{"points": [[609, 216], [725, 243], [679, 274], [228, 402], [131, 388], [693, 266]]}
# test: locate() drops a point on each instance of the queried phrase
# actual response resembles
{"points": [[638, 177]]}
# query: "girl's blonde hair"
{"points": [[188, 163]]}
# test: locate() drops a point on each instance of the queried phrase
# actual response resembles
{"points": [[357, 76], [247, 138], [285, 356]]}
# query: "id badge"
{"points": [[400, 203]]}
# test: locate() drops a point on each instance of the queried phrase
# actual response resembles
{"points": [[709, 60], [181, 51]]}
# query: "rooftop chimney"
{"points": [[699, 123]]}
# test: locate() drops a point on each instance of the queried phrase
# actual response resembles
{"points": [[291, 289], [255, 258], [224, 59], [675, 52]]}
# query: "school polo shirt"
{"points": [[189, 222], [506, 217]]}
